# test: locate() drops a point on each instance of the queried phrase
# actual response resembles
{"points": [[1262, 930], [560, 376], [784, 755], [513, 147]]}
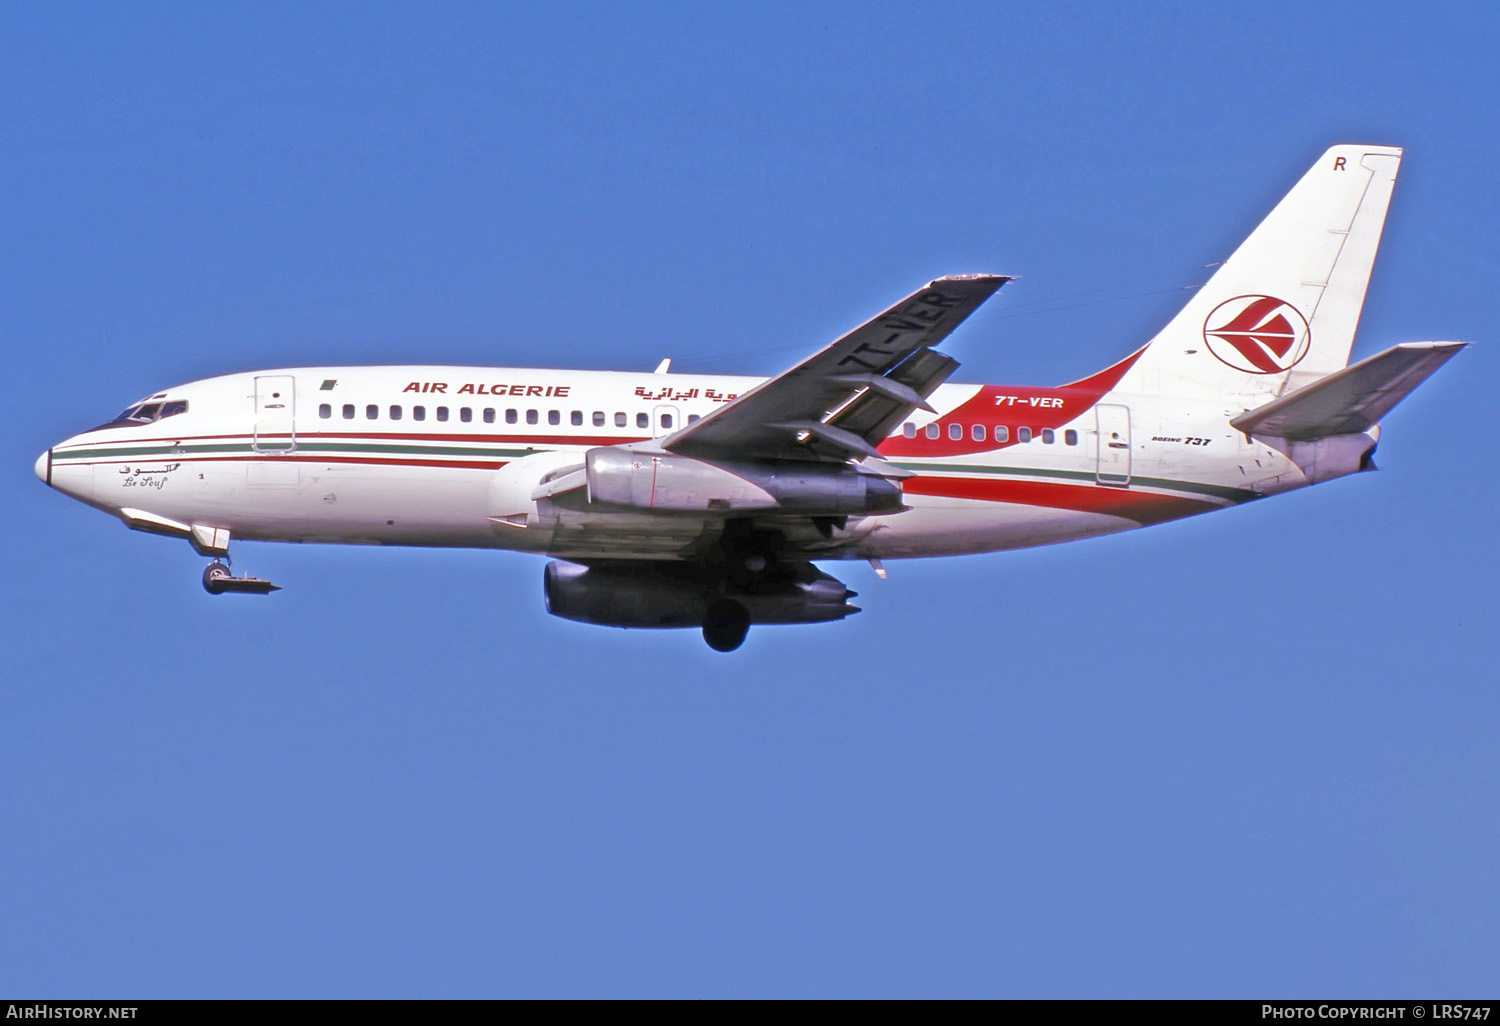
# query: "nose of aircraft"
{"points": [[73, 477]]}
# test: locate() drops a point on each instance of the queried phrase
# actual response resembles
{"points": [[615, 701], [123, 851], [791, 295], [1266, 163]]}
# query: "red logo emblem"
{"points": [[1257, 334]]}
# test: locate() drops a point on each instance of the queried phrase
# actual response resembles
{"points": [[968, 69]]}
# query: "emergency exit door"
{"points": [[275, 398]]}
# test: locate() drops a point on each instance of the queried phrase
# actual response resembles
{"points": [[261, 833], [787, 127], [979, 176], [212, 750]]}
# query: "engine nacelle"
{"points": [[680, 484], [678, 595]]}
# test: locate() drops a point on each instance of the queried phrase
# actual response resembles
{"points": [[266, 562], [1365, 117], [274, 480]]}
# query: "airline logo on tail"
{"points": [[1257, 334]]}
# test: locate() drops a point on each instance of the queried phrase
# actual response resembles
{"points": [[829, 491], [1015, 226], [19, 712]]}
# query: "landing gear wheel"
{"points": [[725, 625], [214, 578]]}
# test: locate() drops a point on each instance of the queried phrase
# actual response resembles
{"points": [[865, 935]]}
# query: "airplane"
{"points": [[673, 500]]}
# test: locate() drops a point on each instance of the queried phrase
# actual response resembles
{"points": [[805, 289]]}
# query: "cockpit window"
{"points": [[146, 413]]}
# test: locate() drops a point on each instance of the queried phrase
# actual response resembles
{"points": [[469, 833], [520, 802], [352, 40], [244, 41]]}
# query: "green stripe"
{"points": [[154, 450], [1219, 491]]}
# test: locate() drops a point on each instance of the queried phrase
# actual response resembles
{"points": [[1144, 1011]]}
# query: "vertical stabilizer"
{"points": [[1281, 312]]}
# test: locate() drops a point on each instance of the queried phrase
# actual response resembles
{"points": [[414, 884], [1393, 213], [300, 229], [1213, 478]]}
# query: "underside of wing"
{"points": [[841, 402]]}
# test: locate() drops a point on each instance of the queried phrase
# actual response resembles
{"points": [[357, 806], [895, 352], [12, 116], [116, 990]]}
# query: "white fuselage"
{"points": [[450, 456]]}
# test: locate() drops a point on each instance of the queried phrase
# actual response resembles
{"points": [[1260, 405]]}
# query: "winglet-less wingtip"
{"points": [[1000, 278]]}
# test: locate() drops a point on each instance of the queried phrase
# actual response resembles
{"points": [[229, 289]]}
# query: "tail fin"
{"points": [[1281, 312]]}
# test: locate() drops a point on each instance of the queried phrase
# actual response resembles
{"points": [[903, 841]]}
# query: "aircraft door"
{"points": [[275, 399], [1114, 445], [664, 421]]}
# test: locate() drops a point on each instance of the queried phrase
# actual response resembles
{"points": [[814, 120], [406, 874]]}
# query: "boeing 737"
{"points": [[690, 500]]}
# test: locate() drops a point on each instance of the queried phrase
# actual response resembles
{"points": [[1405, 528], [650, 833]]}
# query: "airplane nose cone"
{"points": [[44, 466]]}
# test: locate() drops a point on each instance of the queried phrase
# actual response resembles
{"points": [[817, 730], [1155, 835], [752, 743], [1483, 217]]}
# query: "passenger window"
{"points": [[348, 411], [465, 414], [666, 421], [489, 415], [395, 413], [510, 416], [956, 432], [325, 411], [1023, 434], [693, 418], [642, 421], [419, 413], [619, 420], [598, 418], [442, 413], [554, 418], [909, 430], [531, 416], [1047, 436], [1070, 436], [372, 412], [576, 418], [978, 432], [933, 430], [1002, 433]]}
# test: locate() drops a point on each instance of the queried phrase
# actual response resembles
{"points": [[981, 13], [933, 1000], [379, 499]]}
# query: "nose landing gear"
{"points": [[218, 579]]}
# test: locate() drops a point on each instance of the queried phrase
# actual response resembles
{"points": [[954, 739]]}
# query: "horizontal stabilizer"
{"points": [[1351, 400]]}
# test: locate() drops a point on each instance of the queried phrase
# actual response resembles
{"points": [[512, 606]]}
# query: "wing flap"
{"points": [[875, 413], [847, 397], [1351, 400]]}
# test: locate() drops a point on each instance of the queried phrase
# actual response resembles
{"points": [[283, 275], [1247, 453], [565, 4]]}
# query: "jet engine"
{"points": [[664, 482], [667, 594]]}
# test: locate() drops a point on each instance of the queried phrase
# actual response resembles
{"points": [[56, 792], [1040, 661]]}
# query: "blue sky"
{"points": [[1248, 754]]}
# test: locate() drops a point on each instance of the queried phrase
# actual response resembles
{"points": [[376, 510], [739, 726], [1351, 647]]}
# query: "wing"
{"points": [[844, 400]]}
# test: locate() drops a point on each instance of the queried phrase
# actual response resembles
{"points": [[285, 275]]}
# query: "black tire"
{"points": [[214, 578], [725, 625]]}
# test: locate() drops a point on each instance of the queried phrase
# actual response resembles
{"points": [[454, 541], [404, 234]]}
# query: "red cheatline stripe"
{"points": [[491, 464], [385, 461], [1142, 507], [506, 439], [309, 437]]}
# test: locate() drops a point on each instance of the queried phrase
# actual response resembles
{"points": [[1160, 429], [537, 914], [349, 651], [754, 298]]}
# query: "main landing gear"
{"points": [[218, 579], [211, 541], [725, 625]]}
